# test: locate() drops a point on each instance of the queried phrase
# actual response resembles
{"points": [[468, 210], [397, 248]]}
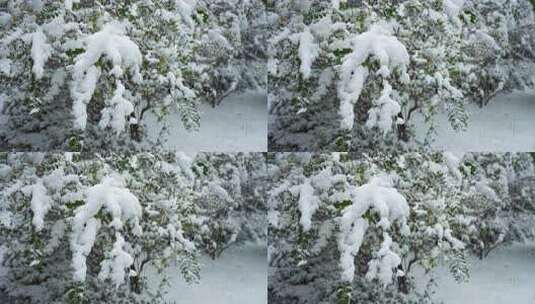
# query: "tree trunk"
{"points": [[135, 285], [403, 135], [403, 284], [135, 132]]}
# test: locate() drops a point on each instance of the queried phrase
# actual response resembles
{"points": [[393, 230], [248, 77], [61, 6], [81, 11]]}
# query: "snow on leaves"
{"points": [[391, 206], [112, 43], [308, 52], [111, 197], [118, 108], [41, 51], [379, 44]]}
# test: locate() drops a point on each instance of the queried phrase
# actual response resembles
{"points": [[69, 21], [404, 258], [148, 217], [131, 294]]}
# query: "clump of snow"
{"points": [[385, 261], [116, 110], [185, 9], [82, 92], [118, 201], [110, 195], [41, 51], [384, 111], [116, 265], [178, 234], [308, 204], [5, 170], [325, 27], [388, 50], [112, 43], [391, 206], [308, 52], [82, 241], [40, 204]]}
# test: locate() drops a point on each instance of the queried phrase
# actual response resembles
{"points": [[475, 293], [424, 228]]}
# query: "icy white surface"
{"points": [[507, 275], [239, 124], [239, 276], [507, 124]]}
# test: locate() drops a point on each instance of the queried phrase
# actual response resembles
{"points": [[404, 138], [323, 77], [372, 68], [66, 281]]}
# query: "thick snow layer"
{"points": [[384, 111], [391, 206], [507, 275], [123, 53], [118, 108], [239, 276], [308, 52], [506, 124], [390, 52], [121, 205], [239, 124], [308, 204], [41, 204], [41, 51], [115, 266]]}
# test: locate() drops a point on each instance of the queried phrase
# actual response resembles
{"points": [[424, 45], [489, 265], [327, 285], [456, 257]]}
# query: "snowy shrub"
{"points": [[498, 197], [232, 197], [72, 71], [351, 75], [372, 219], [80, 228]]}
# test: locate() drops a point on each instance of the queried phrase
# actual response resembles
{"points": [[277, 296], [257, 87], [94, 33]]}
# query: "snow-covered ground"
{"points": [[239, 124], [239, 276], [507, 124], [507, 275]]}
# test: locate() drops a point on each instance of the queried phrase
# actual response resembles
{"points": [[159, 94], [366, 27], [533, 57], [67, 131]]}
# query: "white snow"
{"points": [[382, 266], [391, 53], [308, 52], [238, 276], [238, 124], [118, 201], [122, 205], [384, 111], [453, 7], [5, 19], [41, 51], [507, 275], [116, 110], [81, 93], [112, 43], [308, 204], [82, 242], [115, 267], [40, 204], [391, 206], [506, 124], [185, 9]]}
